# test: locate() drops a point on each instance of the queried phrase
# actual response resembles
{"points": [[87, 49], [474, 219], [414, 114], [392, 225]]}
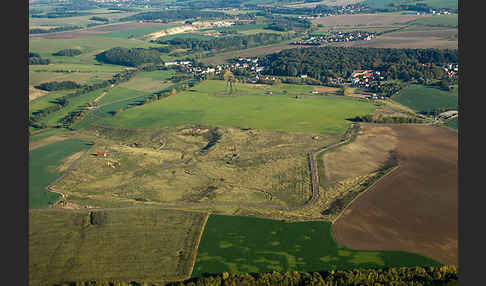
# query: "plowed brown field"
{"points": [[366, 19], [415, 208], [427, 39]]}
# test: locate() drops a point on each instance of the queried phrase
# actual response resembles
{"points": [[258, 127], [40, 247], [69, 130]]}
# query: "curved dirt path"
{"points": [[414, 208]]}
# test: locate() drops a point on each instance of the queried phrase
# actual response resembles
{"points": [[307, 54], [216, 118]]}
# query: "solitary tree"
{"points": [[230, 79]]}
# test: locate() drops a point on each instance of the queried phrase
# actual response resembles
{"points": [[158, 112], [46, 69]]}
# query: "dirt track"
{"points": [[415, 208]]}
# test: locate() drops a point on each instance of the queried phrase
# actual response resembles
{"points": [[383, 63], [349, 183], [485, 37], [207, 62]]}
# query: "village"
{"points": [[336, 37], [252, 70]]}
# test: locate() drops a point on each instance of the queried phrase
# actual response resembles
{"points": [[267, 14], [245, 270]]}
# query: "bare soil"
{"points": [[35, 93], [259, 51], [366, 19], [415, 208], [429, 38], [366, 154]]}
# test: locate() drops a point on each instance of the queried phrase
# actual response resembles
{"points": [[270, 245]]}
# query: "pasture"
{"points": [[454, 123], [453, 4], [136, 32], [244, 244], [422, 98], [440, 21], [43, 169], [251, 106], [75, 103], [89, 45], [193, 166], [415, 207], [145, 245]]}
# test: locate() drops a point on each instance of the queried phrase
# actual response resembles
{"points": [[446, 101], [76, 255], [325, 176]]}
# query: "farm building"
{"points": [[102, 154]]}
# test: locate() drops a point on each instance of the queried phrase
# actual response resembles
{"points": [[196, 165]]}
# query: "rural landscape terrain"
{"points": [[262, 142]]}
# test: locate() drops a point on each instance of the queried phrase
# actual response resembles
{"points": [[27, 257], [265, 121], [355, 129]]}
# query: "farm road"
{"points": [[312, 200]]}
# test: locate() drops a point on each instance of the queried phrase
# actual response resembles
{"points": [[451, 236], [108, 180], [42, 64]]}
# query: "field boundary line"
{"points": [[389, 172], [65, 173], [196, 247]]}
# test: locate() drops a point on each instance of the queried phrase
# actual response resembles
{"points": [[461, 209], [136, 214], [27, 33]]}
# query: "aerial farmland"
{"points": [[189, 142]]}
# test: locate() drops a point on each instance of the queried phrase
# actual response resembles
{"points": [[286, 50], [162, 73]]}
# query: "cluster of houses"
{"points": [[252, 65], [363, 78], [336, 37]]}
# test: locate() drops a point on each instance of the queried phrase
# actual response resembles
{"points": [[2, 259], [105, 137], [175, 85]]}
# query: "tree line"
{"points": [[129, 57], [63, 101], [229, 43], [36, 59], [378, 118], [284, 24], [58, 85], [320, 62], [167, 16], [397, 276], [60, 29], [67, 52]]}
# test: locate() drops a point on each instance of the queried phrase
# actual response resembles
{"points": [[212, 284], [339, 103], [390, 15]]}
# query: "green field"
{"points": [[250, 106], [453, 4], [245, 244], [132, 33], [439, 21], [42, 169], [46, 100], [75, 103], [422, 99], [119, 93], [454, 123], [89, 45], [117, 245]]}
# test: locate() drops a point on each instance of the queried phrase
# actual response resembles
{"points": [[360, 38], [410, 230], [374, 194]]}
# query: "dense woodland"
{"points": [[284, 24], [129, 57], [166, 16], [400, 276], [36, 59], [320, 62], [229, 43], [58, 85], [68, 53]]}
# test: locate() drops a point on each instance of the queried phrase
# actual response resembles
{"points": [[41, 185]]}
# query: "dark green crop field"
{"points": [[43, 163], [422, 98], [245, 244]]}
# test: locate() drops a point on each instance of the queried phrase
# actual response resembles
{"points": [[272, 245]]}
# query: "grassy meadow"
{"points": [[245, 244], [43, 169], [116, 245], [454, 123], [453, 4], [250, 106], [89, 45], [422, 98], [439, 21], [138, 32]]}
